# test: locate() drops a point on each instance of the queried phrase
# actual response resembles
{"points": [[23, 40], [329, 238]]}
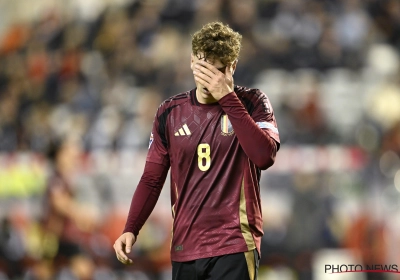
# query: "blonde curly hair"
{"points": [[216, 40]]}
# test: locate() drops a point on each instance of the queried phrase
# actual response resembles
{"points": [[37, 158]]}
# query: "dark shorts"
{"points": [[240, 266]]}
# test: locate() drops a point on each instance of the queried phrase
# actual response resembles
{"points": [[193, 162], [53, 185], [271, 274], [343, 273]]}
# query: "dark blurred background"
{"points": [[80, 82]]}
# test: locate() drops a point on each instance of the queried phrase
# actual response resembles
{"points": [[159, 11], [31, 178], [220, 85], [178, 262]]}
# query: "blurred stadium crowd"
{"points": [[79, 86]]}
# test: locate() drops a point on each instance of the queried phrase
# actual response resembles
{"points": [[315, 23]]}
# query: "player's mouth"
{"points": [[205, 90]]}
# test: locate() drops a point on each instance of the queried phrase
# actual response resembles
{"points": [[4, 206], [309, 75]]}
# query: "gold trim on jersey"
{"points": [[173, 215], [176, 191], [173, 211], [172, 228], [244, 222], [251, 264]]}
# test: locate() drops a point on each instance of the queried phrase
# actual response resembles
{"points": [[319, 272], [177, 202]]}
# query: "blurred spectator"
{"points": [[69, 221]]}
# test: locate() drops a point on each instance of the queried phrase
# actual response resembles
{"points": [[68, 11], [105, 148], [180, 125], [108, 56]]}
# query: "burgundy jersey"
{"points": [[215, 194]]}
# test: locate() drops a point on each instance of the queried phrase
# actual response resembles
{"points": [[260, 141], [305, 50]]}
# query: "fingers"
{"points": [[206, 68], [124, 261], [218, 82], [201, 78], [118, 247], [207, 72], [119, 251], [203, 69], [128, 246]]}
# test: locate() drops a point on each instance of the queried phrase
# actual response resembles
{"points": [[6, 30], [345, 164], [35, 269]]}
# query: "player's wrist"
{"points": [[221, 95], [130, 231], [225, 96]]}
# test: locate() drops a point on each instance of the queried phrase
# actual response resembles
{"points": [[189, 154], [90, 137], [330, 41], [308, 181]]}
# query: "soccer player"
{"points": [[216, 139]]}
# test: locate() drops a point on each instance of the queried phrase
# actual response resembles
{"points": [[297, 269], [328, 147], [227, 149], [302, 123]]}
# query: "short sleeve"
{"points": [[158, 144], [264, 117]]}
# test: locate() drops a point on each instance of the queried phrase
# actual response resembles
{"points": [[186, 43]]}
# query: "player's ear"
{"points": [[234, 66]]}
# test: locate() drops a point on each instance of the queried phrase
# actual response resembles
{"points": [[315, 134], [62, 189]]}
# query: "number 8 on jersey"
{"points": [[203, 153]]}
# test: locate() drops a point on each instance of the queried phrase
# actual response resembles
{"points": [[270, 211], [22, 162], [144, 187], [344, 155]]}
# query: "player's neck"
{"points": [[206, 99]]}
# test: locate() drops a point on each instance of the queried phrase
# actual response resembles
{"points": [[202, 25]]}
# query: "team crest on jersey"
{"points": [[151, 139], [226, 126]]}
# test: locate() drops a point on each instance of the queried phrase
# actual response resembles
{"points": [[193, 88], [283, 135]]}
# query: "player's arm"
{"points": [[257, 143], [145, 197], [143, 202], [148, 190]]}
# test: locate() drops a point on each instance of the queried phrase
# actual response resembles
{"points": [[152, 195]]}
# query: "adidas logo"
{"points": [[184, 130]]}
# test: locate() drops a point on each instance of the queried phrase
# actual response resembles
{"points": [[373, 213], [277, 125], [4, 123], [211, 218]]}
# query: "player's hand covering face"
{"points": [[216, 81]]}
